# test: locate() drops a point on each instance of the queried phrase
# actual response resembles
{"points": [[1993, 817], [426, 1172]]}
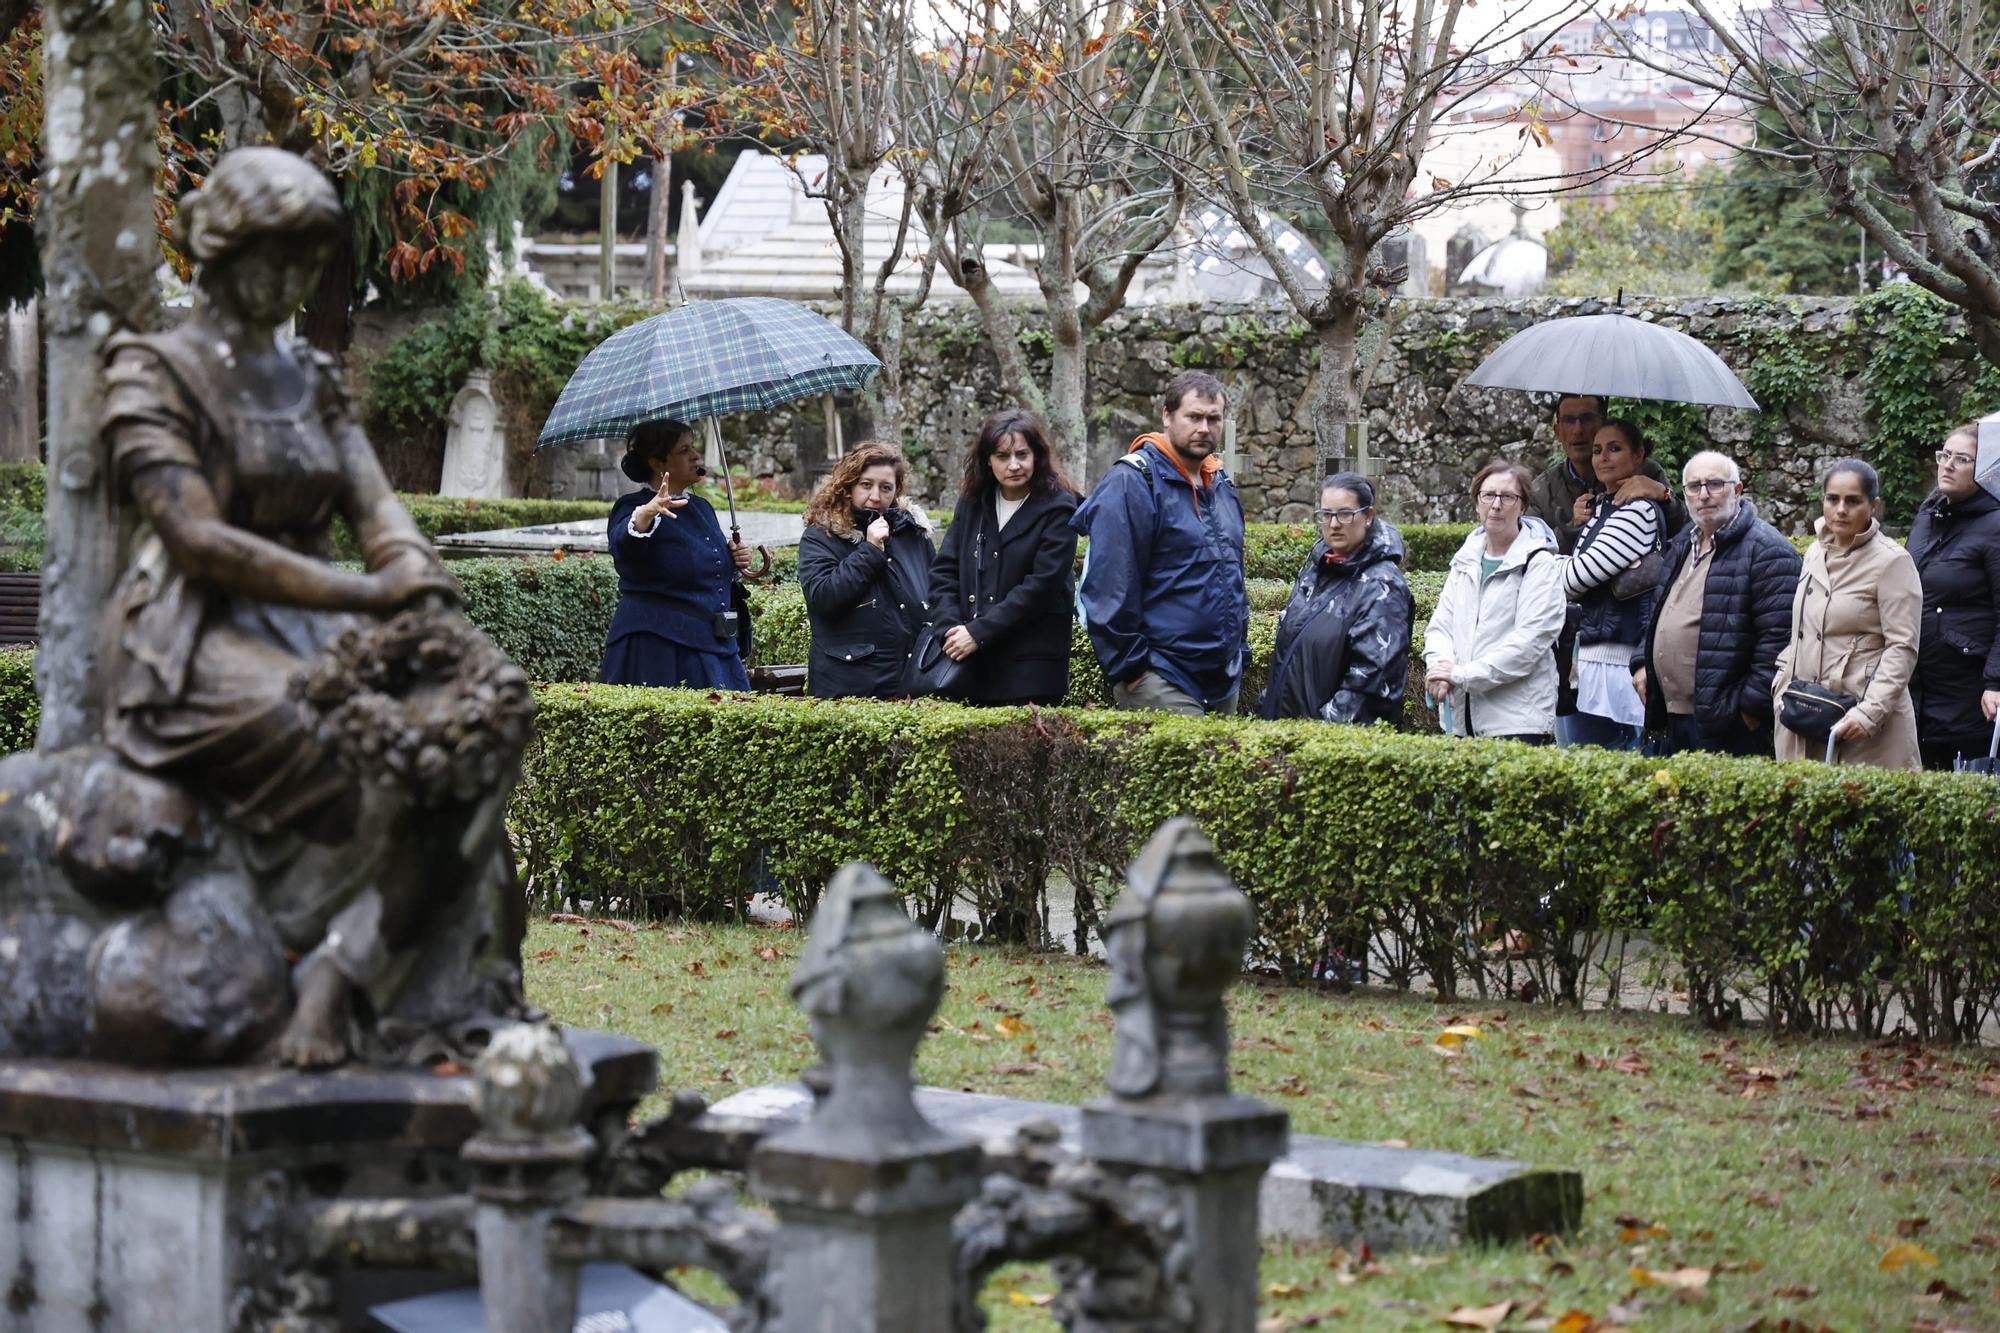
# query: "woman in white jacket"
{"points": [[1489, 646]]}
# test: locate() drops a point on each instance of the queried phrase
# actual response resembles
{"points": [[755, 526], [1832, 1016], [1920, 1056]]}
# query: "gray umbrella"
{"points": [[1986, 459], [1615, 355]]}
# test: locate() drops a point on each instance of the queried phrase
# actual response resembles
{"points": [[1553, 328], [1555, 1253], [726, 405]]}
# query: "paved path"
{"points": [[759, 529]]}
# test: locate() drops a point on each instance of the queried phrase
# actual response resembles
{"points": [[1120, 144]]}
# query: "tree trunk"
{"points": [[1065, 412], [656, 230], [884, 399], [853, 209], [98, 256], [1334, 405], [328, 323]]}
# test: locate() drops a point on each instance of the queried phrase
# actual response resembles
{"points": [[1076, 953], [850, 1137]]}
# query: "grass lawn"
{"points": [[1731, 1182]]}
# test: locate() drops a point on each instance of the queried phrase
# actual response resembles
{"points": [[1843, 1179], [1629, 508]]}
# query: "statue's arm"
{"points": [[150, 432], [177, 501]]}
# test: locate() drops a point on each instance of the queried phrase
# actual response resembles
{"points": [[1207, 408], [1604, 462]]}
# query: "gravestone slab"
{"points": [[138, 1198], [611, 1298], [759, 529], [475, 445], [1322, 1189]]}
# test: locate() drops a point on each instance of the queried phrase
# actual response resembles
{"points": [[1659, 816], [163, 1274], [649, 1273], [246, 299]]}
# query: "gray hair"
{"points": [[1735, 472]]}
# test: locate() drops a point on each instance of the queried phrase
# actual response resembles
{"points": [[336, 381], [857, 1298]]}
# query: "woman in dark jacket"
{"points": [[1955, 542], [1343, 647], [865, 565], [1005, 580], [683, 617]]}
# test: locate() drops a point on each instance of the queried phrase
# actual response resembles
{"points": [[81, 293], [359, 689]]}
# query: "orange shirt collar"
{"points": [[1209, 466]]}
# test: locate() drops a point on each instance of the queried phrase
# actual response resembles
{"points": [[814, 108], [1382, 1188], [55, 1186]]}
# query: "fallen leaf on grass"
{"points": [[1681, 1279], [1943, 1292], [725, 1034], [1013, 1025], [1284, 1290], [567, 919], [1797, 1291], [544, 955], [769, 954], [1458, 1033], [1480, 1316], [1762, 1198], [1027, 1067], [1910, 1226], [663, 1007], [1023, 1298], [1902, 1254]]}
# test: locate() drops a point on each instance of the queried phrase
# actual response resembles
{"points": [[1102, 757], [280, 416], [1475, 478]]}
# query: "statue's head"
{"points": [[261, 227]]}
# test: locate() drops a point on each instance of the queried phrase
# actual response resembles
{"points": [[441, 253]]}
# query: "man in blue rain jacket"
{"points": [[1162, 591]]}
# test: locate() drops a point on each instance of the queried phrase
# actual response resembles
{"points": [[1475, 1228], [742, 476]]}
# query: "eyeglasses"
{"points": [[1944, 456], [1704, 487], [1498, 499], [1340, 516], [1583, 419]]}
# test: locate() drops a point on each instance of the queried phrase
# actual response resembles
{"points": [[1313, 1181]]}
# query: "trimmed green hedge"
{"points": [[1824, 894], [1842, 897], [20, 709]]}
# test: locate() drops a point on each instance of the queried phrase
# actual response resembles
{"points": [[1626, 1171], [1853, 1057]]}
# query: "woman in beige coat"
{"points": [[1855, 620]]}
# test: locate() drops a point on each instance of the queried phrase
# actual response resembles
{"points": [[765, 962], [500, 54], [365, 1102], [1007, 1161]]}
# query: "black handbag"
{"points": [[931, 671], [1990, 765], [1810, 710], [1639, 579]]}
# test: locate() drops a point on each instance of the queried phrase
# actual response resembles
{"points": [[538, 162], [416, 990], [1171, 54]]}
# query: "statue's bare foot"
{"points": [[316, 1036]]}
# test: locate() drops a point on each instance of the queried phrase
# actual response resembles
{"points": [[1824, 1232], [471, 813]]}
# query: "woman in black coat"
{"points": [[1343, 646], [1955, 542], [683, 617], [1005, 578], [865, 565]]}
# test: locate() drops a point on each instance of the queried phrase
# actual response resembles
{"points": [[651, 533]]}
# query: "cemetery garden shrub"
{"points": [[1823, 892]]}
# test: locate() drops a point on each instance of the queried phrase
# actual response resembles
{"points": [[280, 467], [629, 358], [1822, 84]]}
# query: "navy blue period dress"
{"points": [[672, 584]]}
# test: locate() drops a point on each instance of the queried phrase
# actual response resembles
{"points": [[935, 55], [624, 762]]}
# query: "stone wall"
{"points": [[1427, 432]]}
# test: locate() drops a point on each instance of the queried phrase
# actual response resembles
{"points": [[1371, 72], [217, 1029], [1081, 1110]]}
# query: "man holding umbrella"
{"points": [[1562, 494]]}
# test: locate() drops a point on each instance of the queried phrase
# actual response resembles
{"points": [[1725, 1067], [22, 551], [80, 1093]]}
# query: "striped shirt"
{"points": [[1626, 536]]}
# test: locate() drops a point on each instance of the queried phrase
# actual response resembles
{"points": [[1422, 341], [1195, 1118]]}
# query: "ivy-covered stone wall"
{"points": [[1883, 376]]}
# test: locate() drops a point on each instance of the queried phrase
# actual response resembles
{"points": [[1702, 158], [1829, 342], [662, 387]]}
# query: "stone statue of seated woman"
{"points": [[289, 845]]}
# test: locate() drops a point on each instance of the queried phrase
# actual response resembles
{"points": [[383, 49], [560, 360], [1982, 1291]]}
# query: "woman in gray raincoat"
{"points": [[1343, 646]]}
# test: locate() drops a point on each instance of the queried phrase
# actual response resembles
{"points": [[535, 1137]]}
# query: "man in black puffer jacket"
{"points": [[1720, 618]]}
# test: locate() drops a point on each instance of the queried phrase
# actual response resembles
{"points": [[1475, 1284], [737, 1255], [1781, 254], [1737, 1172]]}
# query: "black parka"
{"points": [[1343, 645], [865, 606], [1014, 590], [1956, 547], [1746, 618]]}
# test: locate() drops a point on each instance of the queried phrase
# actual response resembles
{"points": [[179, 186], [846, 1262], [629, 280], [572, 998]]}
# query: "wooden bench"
{"points": [[20, 608]]}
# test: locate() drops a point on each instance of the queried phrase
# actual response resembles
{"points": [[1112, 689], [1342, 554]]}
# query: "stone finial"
{"points": [[870, 979], [1176, 938], [527, 1084]]}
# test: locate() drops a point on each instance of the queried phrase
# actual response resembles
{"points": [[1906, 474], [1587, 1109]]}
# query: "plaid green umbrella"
{"points": [[704, 360]]}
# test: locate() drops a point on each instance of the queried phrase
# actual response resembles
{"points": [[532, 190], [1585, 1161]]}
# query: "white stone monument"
{"points": [[475, 446]]}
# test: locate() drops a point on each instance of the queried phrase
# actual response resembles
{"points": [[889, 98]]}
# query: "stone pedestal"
{"points": [[866, 1241], [149, 1201], [1215, 1150]]}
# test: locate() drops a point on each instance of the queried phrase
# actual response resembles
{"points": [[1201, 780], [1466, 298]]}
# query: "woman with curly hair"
{"points": [[865, 566], [1005, 581]]}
